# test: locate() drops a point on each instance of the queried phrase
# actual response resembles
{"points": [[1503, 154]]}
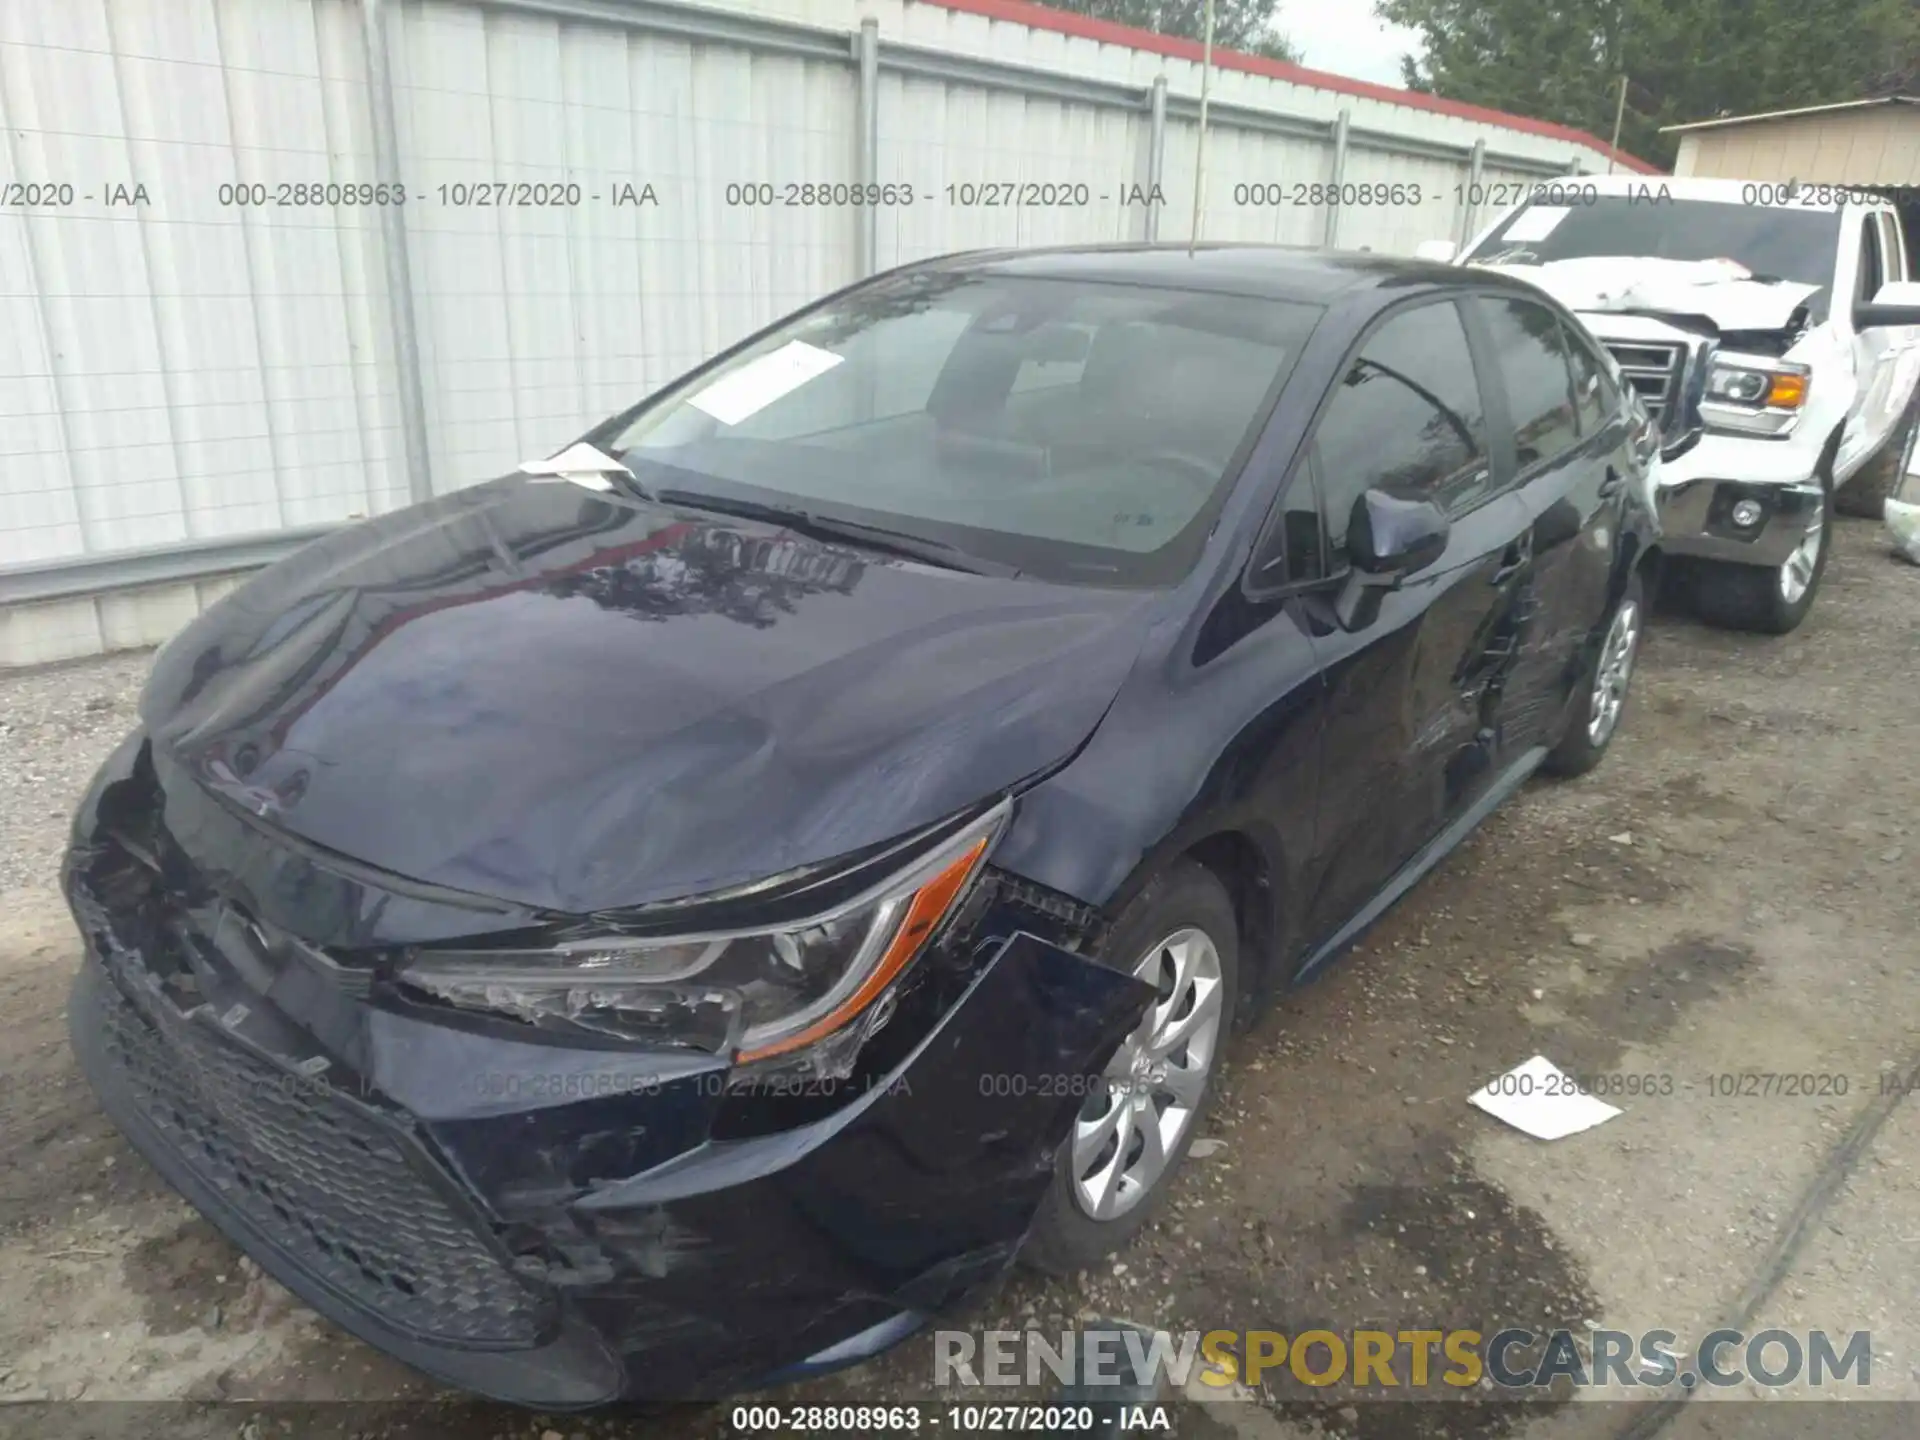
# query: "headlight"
{"points": [[761, 993], [1754, 395]]}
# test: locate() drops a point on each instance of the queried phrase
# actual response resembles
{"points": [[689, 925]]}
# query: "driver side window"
{"points": [[1406, 413]]}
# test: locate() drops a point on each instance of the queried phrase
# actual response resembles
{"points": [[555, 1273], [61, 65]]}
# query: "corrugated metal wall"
{"points": [[536, 320], [172, 367], [181, 363]]}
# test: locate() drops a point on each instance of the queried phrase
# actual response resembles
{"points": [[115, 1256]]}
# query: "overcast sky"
{"points": [[1343, 36]]}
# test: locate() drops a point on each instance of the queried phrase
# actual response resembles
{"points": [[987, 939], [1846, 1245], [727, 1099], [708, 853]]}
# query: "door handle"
{"points": [[1513, 559], [1613, 484]]}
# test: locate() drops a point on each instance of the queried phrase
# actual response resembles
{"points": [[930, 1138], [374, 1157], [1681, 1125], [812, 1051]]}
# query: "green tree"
{"points": [[1685, 59], [1271, 44], [1237, 24]]}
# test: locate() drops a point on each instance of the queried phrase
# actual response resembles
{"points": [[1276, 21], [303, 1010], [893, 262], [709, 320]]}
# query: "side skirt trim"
{"points": [[1429, 855]]}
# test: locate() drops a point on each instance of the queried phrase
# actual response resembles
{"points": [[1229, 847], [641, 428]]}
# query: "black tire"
{"points": [[1865, 496], [1579, 751], [1064, 1238], [1749, 597]]}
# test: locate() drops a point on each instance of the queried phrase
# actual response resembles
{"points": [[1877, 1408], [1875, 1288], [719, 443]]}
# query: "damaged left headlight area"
{"points": [[804, 993]]}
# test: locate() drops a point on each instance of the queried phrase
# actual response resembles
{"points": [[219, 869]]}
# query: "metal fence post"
{"points": [[1338, 178], [1156, 153], [866, 48], [393, 249], [1470, 201]]}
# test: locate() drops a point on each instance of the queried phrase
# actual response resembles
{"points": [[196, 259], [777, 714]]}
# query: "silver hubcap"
{"points": [[1615, 669], [1131, 1125], [1797, 574]]}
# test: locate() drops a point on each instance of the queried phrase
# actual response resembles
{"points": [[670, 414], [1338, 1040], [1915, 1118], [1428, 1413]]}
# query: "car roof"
{"points": [[1267, 272]]}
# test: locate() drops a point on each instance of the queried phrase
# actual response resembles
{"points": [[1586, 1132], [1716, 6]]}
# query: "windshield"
{"points": [[1774, 242], [1072, 431]]}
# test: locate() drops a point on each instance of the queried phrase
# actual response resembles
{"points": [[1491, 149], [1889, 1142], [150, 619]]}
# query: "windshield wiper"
{"points": [[831, 528]]}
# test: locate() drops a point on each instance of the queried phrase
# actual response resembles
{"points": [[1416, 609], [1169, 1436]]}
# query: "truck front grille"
{"points": [[1654, 369]]}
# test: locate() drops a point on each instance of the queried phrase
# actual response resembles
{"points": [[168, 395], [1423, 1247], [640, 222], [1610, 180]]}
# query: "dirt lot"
{"points": [[1734, 891]]}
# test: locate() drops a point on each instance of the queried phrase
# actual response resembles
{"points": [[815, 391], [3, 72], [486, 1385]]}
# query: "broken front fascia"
{"points": [[675, 1249]]}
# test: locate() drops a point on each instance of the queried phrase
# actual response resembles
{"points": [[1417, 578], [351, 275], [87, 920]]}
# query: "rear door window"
{"points": [[1530, 348], [1594, 398]]}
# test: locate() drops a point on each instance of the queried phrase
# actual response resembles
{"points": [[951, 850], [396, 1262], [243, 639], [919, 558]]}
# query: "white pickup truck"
{"points": [[1754, 320]]}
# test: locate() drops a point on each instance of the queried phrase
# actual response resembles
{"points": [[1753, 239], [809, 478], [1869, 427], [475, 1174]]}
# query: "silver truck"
{"points": [[1763, 326]]}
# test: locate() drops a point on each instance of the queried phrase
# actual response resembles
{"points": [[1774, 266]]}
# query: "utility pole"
{"points": [[1619, 114], [1200, 148]]}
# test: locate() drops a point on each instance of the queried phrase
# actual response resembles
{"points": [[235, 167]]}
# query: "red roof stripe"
{"points": [[1066, 22]]}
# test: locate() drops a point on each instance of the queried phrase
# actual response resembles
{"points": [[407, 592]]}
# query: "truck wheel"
{"points": [[1865, 496], [1769, 599]]}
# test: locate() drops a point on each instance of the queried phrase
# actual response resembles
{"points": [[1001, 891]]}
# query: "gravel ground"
{"points": [[1731, 892], [56, 726]]}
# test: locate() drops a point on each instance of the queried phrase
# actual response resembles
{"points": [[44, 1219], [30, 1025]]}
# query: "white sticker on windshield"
{"points": [[1536, 222], [759, 383]]}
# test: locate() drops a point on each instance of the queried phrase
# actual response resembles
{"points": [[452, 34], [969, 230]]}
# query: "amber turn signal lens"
{"points": [[929, 906], [1788, 392]]}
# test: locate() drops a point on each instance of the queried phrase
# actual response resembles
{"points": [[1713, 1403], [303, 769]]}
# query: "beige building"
{"points": [[1862, 142]]}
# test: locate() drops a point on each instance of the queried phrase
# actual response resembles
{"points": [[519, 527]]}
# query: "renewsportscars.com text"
{"points": [[1389, 1360]]}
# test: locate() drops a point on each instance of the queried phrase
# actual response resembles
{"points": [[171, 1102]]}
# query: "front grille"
{"points": [[336, 1192], [1653, 368]]}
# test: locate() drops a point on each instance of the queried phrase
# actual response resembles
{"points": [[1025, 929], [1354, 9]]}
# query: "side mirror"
{"points": [[1393, 536], [1441, 252], [1389, 537], [1897, 303]]}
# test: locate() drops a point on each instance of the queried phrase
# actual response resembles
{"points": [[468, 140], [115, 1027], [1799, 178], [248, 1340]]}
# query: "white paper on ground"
{"points": [[1541, 1099], [580, 464], [759, 383], [1903, 523], [1536, 222]]}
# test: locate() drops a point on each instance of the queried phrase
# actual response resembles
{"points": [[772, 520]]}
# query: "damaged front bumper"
{"points": [[551, 1223], [1758, 519]]}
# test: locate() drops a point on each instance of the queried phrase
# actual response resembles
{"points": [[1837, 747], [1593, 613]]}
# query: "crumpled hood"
{"points": [[1716, 290], [579, 702]]}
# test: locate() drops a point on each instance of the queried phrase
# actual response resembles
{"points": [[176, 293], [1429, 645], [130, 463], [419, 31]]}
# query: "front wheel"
{"points": [[1769, 599], [1118, 1161]]}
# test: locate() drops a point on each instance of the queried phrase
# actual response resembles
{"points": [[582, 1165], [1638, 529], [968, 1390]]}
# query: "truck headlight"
{"points": [[1754, 395], [760, 993]]}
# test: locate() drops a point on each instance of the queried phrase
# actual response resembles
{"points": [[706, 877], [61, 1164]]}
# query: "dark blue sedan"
{"points": [[678, 920]]}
